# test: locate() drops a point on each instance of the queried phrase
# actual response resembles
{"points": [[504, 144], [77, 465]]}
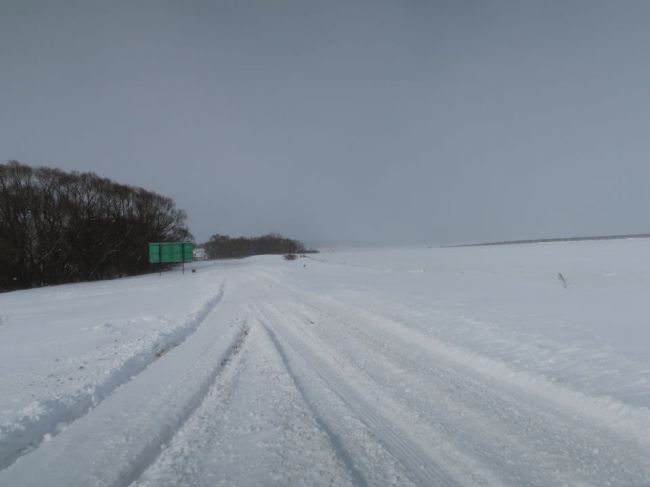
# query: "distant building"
{"points": [[199, 254]]}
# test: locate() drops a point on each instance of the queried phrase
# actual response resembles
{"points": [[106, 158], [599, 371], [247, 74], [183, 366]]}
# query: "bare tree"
{"points": [[58, 227]]}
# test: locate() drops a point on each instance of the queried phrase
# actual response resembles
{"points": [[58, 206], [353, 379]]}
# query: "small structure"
{"points": [[199, 254]]}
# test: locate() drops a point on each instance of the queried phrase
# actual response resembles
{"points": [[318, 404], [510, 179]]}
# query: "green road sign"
{"points": [[170, 252]]}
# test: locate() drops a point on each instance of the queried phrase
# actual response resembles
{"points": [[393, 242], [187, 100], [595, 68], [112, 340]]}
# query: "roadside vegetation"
{"points": [[224, 247], [58, 226]]}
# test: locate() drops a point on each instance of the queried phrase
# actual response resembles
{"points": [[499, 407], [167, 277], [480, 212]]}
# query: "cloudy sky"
{"points": [[412, 121]]}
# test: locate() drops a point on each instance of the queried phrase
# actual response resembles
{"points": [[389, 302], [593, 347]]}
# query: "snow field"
{"points": [[470, 366], [71, 367]]}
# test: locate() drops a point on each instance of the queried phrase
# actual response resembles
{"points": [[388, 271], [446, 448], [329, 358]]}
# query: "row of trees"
{"points": [[223, 247], [58, 226]]}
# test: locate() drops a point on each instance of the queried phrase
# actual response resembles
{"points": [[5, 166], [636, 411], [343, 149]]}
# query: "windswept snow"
{"points": [[458, 366]]}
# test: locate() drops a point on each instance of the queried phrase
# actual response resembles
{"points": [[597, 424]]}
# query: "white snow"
{"points": [[406, 366]]}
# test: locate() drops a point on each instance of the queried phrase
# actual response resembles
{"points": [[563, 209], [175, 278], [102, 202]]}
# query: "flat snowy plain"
{"points": [[414, 366]]}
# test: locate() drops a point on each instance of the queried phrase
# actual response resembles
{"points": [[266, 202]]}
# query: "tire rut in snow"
{"points": [[337, 445], [60, 413], [497, 423], [150, 453], [420, 467]]}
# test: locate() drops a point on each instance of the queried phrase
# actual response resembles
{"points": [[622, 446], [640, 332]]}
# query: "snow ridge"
{"points": [[47, 418]]}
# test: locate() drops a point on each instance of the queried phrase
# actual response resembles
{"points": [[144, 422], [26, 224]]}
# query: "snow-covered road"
{"points": [[315, 373]]}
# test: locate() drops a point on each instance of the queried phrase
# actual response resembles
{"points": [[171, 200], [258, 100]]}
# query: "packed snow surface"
{"points": [[413, 366]]}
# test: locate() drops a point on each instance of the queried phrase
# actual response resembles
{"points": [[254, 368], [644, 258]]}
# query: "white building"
{"points": [[199, 254]]}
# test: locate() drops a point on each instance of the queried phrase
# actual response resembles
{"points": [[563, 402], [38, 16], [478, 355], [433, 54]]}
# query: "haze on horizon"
{"points": [[368, 121]]}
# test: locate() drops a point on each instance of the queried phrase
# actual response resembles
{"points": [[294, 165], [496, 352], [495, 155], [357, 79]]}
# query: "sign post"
{"points": [[170, 253]]}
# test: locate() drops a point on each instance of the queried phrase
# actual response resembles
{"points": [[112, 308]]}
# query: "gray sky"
{"points": [[386, 121]]}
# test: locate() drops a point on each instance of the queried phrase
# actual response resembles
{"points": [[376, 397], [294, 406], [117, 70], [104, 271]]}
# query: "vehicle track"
{"points": [[149, 454], [130, 412], [335, 440], [254, 424], [22, 439], [419, 466], [464, 411], [628, 421]]}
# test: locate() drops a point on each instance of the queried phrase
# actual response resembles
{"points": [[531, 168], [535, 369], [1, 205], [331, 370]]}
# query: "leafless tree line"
{"points": [[58, 226], [224, 247]]}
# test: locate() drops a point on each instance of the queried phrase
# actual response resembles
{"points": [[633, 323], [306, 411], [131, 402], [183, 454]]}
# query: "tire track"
{"points": [[28, 435], [500, 427], [418, 464], [619, 418], [151, 452], [335, 440], [253, 428], [124, 438]]}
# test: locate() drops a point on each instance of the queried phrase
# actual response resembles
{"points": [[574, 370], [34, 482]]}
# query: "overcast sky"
{"points": [[414, 121]]}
